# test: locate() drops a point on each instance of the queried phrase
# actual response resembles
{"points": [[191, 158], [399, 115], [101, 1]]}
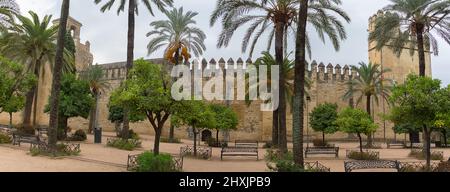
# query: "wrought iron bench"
{"points": [[241, 148], [19, 138], [322, 151], [396, 144], [370, 164], [132, 163]]}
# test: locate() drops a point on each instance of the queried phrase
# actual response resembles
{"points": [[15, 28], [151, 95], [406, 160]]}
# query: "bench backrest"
{"points": [[370, 164], [246, 144]]}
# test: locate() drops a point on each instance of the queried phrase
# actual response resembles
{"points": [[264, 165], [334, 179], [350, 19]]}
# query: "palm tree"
{"points": [[7, 8], [94, 75], [178, 37], [277, 17], [57, 73], [370, 83], [321, 15], [413, 25], [268, 60], [132, 10], [32, 41]]}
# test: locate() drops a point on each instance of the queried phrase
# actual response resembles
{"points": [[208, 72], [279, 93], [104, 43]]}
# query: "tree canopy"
{"points": [[356, 121], [323, 119]]}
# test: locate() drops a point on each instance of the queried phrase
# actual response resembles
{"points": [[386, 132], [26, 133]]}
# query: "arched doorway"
{"points": [[206, 134]]}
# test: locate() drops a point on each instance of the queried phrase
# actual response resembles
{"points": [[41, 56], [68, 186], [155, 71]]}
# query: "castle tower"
{"points": [[401, 66], [83, 56]]}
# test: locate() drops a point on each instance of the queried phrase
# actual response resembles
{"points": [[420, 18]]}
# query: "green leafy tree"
{"points": [[116, 114], [195, 114], [178, 36], [94, 75], [76, 101], [413, 25], [133, 10], [225, 119], [369, 85], [323, 119], [356, 121], [420, 101], [14, 84], [148, 92], [32, 41]]}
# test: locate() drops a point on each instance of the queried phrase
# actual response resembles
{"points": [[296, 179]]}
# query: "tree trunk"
{"points": [[427, 148], [10, 120], [57, 70], [217, 137], [92, 117], [279, 35], [172, 128], [369, 111], [62, 128], [299, 84], [420, 43], [29, 102], [323, 138], [275, 124], [360, 143], [157, 140], [195, 140], [36, 96], [130, 60]]}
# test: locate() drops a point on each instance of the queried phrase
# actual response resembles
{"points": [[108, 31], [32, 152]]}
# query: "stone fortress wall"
{"points": [[328, 85]]}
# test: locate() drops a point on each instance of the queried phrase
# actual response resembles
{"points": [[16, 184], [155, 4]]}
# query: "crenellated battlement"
{"points": [[318, 72]]}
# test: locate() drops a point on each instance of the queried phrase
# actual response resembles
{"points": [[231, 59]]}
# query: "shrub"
{"points": [[268, 145], [278, 162], [61, 150], [149, 162], [444, 166], [420, 154], [168, 140], [124, 144], [5, 139], [357, 155], [131, 134], [79, 135]]}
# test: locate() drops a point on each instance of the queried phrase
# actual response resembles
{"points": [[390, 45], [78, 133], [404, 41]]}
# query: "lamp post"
{"points": [[308, 99]]}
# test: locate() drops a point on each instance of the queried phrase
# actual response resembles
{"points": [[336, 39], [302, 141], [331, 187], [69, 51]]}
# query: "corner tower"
{"points": [[401, 66], [83, 55]]}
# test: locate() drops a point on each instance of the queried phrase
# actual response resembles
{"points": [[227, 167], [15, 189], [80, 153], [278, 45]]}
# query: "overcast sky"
{"points": [[107, 33]]}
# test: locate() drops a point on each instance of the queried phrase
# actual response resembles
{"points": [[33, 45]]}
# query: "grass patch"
{"points": [[369, 155], [5, 139], [420, 154], [124, 144]]}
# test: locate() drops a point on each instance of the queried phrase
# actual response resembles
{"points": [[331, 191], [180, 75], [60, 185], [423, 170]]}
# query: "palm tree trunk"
{"points": [[172, 128], [299, 84], [420, 43], [130, 60], [91, 119], [217, 138], [275, 130], [36, 95], [369, 111], [279, 35], [57, 70], [29, 102]]}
